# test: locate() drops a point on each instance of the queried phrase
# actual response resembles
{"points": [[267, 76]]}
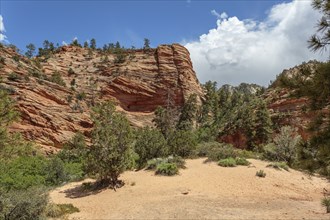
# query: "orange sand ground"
{"points": [[203, 191]]}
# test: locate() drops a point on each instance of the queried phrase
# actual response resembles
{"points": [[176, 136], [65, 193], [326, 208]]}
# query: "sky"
{"points": [[229, 41]]}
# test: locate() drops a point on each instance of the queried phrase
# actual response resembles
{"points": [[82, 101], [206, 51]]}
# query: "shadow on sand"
{"points": [[90, 188]]}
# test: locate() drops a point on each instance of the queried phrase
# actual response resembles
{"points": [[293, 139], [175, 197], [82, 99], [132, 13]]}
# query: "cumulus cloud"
{"points": [[2, 29], [255, 51]]}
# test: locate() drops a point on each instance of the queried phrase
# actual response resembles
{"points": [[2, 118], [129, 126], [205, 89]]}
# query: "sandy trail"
{"points": [[204, 191]]}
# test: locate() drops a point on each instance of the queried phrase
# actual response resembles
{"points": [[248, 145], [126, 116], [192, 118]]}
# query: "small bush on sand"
{"points": [[326, 203], [167, 169], [59, 210], [242, 161], [178, 161], [261, 173], [228, 162], [279, 166]]}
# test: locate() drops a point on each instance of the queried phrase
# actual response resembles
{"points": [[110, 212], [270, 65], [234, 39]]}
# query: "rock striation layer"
{"points": [[51, 113]]}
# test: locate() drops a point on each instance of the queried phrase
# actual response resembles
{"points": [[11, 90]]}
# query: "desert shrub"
{"points": [[55, 172], [182, 143], [153, 163], [81, 96], [16, 58], [22, 173], [286, 143], [241, 161], [326, 203], [261, 173], [14, 77], [279, 166], [23, 204], [57, 78], [216, 151], [228, 162], [247, 154], [2, 60], [74, 171], [150, 143], [71, 72], [75, 150], [59, 210], [167, 169]]}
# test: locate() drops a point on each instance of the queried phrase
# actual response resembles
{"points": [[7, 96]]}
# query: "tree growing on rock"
{"points": [[30, 50]]}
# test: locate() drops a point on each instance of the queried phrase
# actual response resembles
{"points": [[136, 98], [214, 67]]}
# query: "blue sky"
{"points": [[229, 41], [126, 21]]}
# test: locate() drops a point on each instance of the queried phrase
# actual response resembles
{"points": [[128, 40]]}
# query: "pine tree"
{"points": [[93, 44], [188, 114], [109, 154], [30, 50], [322, 40]]}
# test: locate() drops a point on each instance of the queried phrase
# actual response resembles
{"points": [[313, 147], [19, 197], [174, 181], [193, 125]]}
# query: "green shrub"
{"points": [[150, 143], [59, 210], [279, 166], [57, 78], [153, 163], [167, 169], [182, 143], [71, 72], [23, 172], [55, 172], [216, 151], [326, 203], [2, 60], [242, 161], [23, 204], [228, 162], [14, 77], [261, 173], [81, 96]]}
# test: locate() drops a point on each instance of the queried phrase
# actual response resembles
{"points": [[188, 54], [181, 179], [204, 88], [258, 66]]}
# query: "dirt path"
{"points": [[204, 191]]}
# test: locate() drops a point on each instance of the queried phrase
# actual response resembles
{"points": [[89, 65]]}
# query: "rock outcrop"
{"points": [[51, 113]]}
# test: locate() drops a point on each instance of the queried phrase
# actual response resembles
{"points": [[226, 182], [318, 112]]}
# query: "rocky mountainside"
{"points": [[245, 88], [288, 108], [54, 95]]}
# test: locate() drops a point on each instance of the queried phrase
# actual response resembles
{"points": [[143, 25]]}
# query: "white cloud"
{"points": [[223, 15], [2, 29], [255, 51]]}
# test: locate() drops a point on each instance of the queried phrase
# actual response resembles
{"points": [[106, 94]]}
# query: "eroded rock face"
{"points": [[51, 114]]}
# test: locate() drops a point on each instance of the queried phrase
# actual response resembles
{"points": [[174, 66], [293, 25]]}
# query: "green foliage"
{"points": [[71, 72], [75, 43], [261, 173], [7, 110], [228, 162], [326, 203], [182, 143], [146, 44], [60, 210], [153, 163], [279, 166], [57, 78], [150, 143], [81, 96], [109, 155], [286, 143], [321, 40], [188, 114], [120, 56], [30, 50], [23, 204], [164, 120], [55, 172], [242, 161], [167, 169], [216, 151], [93, 44], [14, 77]]}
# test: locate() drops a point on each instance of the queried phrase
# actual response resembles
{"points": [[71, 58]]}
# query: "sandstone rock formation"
{"points": [[51, 114]]}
